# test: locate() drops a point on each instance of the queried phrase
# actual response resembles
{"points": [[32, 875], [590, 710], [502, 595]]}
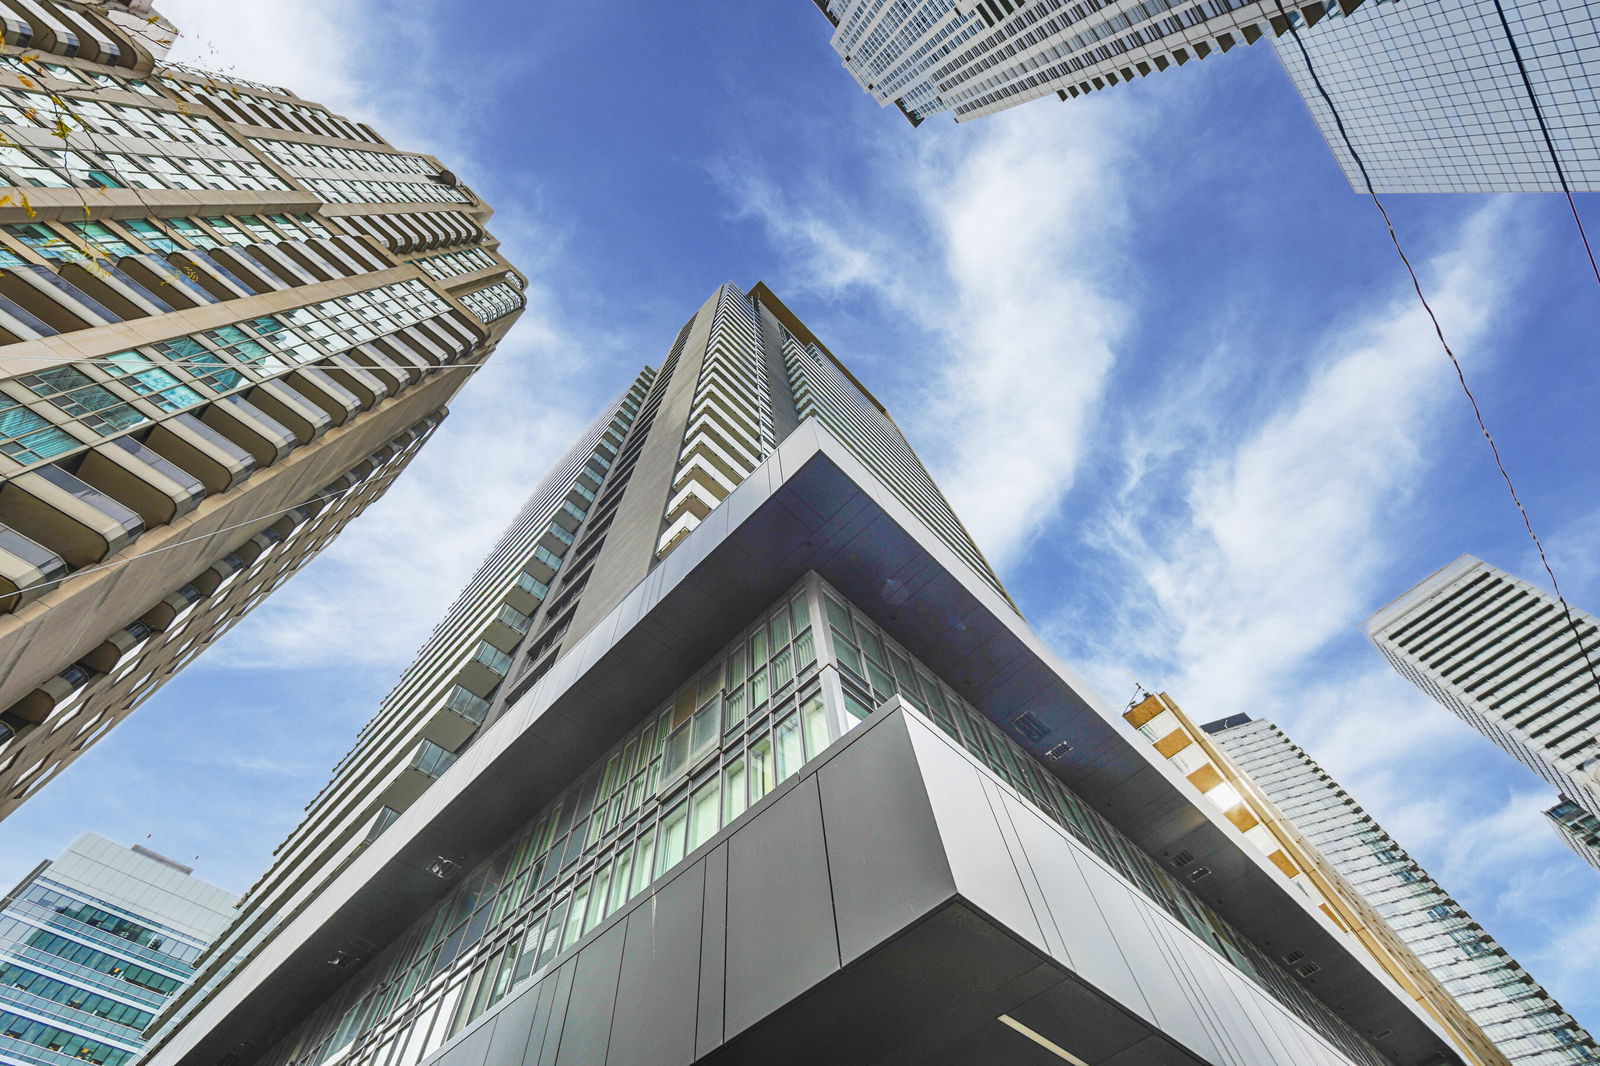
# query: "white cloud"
{"points": [[1002, 248], [1250, 562]]}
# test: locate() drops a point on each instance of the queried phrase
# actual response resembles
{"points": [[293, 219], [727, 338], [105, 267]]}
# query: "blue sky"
{"points": [[1164, 362]]}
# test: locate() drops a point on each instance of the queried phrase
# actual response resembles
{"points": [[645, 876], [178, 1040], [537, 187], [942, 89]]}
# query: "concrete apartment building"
{"points": [[1578, 828], [1501, 654], [228, 319], [1525, 1024], [92, 944], [761, 764]]}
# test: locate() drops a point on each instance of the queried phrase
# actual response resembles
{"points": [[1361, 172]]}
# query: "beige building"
{"points": [[228, 319]]}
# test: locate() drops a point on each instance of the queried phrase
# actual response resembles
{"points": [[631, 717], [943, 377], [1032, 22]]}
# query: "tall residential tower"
{"points": [[228, 319], [1513, 1010], [976, 57], [91, 946], [1502, 655], [736, 750]]}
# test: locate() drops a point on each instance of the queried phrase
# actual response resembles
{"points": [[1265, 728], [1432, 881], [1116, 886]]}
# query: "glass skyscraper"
{"points": [[1514, 1011], [1432, 97], [228, 319], [736, 749], [92, 945]]}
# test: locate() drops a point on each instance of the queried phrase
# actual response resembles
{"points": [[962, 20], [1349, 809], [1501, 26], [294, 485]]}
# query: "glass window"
{"points": [[643, 854], [762, 776], [815, 717], [703, 814], [674, 834], [580, 902], [733, 790], [786, 743]]}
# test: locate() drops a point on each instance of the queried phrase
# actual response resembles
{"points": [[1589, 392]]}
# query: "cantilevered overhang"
{"points": [[810, 506]]}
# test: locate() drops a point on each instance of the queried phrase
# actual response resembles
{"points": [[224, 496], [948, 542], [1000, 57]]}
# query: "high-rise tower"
{"points": [[1578, 828], [228, 319], [92, 944], [1432, 93], [1528, 1026], [1501, 654], [736, 750], [976, 57]]}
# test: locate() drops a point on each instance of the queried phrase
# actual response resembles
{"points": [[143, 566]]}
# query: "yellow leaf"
{"points": [[27, 81], [30, 57], [62, 130], [26, 206], [6, 199]]}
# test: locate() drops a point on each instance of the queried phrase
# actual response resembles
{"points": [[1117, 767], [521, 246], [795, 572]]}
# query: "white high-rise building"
{"points": [[1504, 656], [1526, 1025]]}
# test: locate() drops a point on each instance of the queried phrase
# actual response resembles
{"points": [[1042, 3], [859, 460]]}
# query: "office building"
{"points": [[976, 57], [1525, 1024], [763, 765], [1433, 99], [1504, 656], [91, 946], [1578, 828], [228, 319]]}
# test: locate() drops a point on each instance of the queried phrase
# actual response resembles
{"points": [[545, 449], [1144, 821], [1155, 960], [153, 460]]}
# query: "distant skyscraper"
{"points": [[1524, 1022], [976, 57], [735, 750], [1431, 95], [228, 319], [92, 945], [1500, 653], [1579, 828]]}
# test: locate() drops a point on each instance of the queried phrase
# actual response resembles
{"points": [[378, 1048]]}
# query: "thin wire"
{"points": [[1549, 141], [1438, 330], [180, 543]]}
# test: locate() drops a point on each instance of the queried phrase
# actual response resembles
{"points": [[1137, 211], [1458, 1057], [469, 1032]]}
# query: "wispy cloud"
{"points": [[1245, 560], [1002, 248]]}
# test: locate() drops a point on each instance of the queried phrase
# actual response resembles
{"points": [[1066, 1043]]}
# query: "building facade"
{"points": [[1501, 654], [976, 57], [1525, 1024], [722, 803], [1578, 828], [228, 319], [92, 945], [1432, 95]]}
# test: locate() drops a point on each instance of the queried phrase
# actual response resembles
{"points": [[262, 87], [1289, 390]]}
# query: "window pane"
{"points": [[761, 772], [703, 814], [786, 740], [815, 716], [674, 833], [733, 792]]}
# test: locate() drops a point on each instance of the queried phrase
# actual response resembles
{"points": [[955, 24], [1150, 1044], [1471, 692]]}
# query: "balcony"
{"points": [[74, 520], [427, 763], [27, 569], [457, 718], [193, 446], [297, 414], [528, 593], [508, 628], [246, 425], [154, 487], [486, 669]]}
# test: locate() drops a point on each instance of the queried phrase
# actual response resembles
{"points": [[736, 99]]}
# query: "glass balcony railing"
{"points": [[469, 705]]}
